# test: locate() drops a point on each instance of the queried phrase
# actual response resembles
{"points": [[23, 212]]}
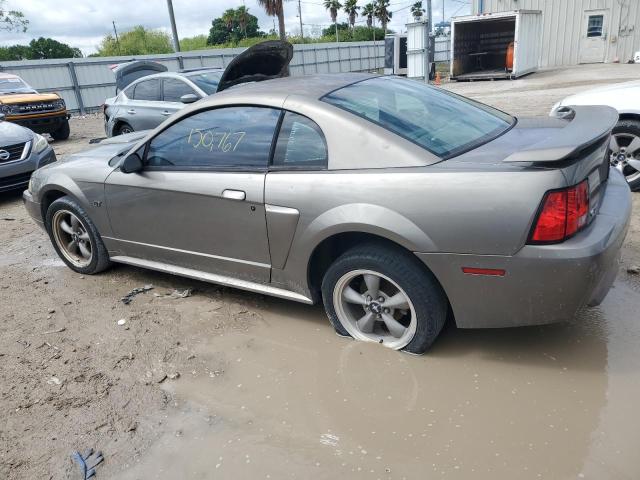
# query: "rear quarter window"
{"points": [[441, 122]]}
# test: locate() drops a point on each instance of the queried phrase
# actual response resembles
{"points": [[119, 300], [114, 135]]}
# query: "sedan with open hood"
{"points": [[395, 204]]}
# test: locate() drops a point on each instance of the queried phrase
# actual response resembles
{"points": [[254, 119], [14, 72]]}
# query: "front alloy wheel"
{"points": [[72, 238]]}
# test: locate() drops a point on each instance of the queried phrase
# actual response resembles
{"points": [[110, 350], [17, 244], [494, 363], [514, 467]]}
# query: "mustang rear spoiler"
{"points": [[586, 125]]}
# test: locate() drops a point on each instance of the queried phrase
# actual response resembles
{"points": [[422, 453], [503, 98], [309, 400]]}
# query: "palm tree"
{"points": [[275, 8], [242, 15], [416, 10], [333, 6], [351, 8], [369, 11], [229, 18], [382, 13]]}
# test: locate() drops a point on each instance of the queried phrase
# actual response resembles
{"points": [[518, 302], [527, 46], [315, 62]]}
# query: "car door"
{"points": [[172, 90], [198, 203], [144, 111]]}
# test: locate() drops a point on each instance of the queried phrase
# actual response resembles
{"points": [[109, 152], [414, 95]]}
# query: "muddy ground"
{"points": [[228, 384]]}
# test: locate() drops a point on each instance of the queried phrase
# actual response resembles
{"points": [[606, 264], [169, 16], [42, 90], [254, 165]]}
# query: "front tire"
{"points": [[384, 295], [124, 128], [75, 237], [63, 132], [625, 151]]}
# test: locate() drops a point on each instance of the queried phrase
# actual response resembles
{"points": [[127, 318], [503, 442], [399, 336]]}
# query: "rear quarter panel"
{"points": [[431, 209]]}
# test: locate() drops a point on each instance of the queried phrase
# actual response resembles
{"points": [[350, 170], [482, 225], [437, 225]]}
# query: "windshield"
{"points": [[14, 85], [441, 122], [206, 81]]}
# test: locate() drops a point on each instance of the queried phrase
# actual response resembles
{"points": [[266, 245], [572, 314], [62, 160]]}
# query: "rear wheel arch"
{"points": [[329, 249]]}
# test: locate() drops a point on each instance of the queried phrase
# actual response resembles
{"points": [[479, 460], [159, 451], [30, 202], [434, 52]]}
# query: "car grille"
{"points": [[15, 181], [11, 152], [35, 107]]}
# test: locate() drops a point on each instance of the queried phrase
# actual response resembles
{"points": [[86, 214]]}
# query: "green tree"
{"points": [[138, 41], [221, 33], [416, 10], [333, 6], [198, 42], [275, 8], [12, 20], [351, 9], [382, 13], [14, 53], [50, 48]]}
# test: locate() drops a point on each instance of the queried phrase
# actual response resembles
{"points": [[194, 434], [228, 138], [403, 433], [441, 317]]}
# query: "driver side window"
{"points": [[223, 138]]}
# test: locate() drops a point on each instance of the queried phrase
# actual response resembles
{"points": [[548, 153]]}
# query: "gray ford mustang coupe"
{"points": [[394, 203]]}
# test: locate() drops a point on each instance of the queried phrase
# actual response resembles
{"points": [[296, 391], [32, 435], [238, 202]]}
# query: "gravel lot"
{"points": [[228, 384]]}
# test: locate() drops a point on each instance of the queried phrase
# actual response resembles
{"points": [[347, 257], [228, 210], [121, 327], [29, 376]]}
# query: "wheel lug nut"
{"points": [[381, 299], [386, 310]]}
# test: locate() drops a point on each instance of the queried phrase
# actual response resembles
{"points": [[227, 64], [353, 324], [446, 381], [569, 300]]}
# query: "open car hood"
{"points": [[263, 61], [128, 72]]}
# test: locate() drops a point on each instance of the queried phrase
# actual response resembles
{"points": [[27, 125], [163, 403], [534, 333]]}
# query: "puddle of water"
{"points": [[295, 401]]}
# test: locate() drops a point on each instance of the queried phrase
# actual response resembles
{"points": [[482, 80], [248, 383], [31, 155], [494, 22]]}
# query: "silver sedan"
{"points": [[396, 204]]}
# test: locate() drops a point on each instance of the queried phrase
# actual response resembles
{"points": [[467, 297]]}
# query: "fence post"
{"points": [[76, 86]]}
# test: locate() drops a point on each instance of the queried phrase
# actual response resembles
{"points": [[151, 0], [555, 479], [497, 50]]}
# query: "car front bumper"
{"points": [[33, 208], [542, 283], [41, 123], [15, 175]]}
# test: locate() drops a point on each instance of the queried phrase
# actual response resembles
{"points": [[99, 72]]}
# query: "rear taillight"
{"points": [[563, 214]]}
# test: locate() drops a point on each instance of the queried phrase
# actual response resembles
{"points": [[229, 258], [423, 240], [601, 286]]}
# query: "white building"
{"points": [[579, 31]]}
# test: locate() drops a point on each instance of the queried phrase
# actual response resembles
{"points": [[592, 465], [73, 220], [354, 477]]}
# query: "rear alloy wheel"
{"points": [[124, 128], [383, 294], [625, 151], [75, 238]]}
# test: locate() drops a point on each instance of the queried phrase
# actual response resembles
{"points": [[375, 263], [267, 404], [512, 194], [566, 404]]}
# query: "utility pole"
{"points": [[300, 16], [174, 30], [443, 18], [115, 31], [427, 43]]}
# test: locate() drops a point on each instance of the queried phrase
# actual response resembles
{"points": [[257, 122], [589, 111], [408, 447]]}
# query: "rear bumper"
{"points": [[42, 123], [543, 283]]}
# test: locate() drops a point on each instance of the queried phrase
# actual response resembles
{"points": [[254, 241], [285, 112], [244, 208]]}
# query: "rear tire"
{"points": [[123, 128], [63, 132], [626, 131], [75, 238], [406, 291]]}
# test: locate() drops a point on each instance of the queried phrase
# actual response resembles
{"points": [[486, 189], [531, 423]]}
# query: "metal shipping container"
{"points": [[481, 45]]}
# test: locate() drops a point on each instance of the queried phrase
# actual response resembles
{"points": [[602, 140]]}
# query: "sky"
{"points": [[83, 23]]}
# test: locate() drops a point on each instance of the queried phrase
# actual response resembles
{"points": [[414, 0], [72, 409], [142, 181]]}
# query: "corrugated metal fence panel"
{"points": [[95, 80]]}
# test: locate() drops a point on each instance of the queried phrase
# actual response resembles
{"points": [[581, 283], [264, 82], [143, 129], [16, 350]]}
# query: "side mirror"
{"points": [[131, 164], [189, 98]]}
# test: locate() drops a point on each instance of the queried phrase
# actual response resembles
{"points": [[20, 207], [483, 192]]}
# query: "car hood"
{"points": [[27, 98], [263, 61], [108, 149], [613, 95], [11, 133]]}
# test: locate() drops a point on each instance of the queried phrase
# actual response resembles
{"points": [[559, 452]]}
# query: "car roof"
{"points": [[310, 86]]}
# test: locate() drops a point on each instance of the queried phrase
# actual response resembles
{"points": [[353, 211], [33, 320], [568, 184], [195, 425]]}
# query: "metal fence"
{"points": [[84, 83], [443, 49]]}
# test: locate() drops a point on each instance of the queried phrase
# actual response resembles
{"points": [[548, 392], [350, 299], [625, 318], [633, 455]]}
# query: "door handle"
{"points": [[234, 194], [166, 113], [131, 111]]}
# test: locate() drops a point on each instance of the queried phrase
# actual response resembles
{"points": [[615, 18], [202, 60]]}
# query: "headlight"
{"points": [[39, 143], [6, 109], [60, 104]]}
